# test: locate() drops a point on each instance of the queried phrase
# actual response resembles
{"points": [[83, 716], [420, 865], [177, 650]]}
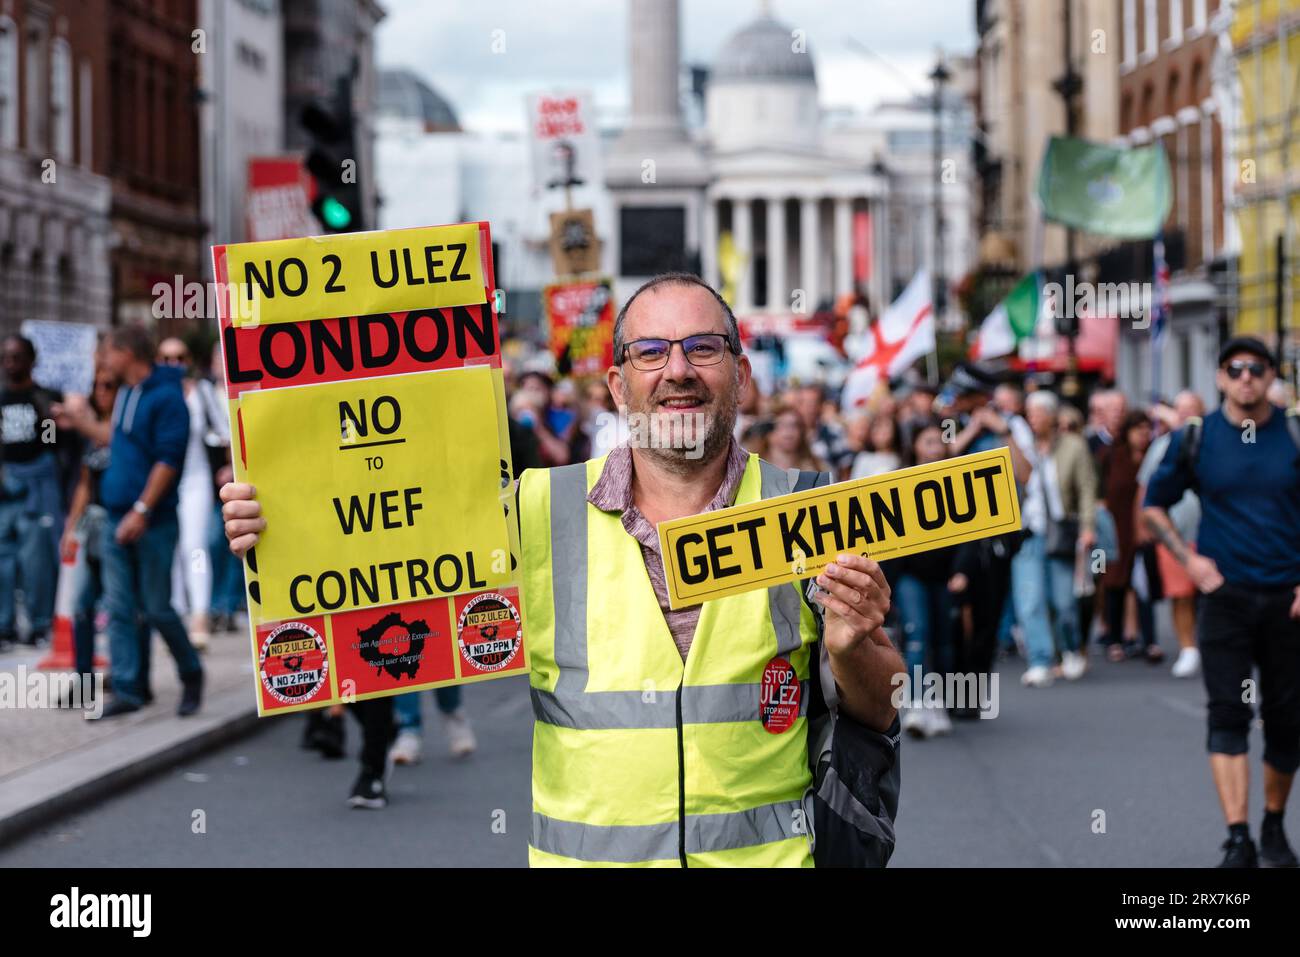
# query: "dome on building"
{"points": [[763, 50], [405, 95]]}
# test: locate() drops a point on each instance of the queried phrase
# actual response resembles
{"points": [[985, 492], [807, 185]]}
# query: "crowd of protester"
{"points": [[1085, 571], [121, 485], [115, 491]]}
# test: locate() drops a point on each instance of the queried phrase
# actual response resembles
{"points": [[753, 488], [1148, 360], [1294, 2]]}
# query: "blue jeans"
{"points": [[138, 583], [925, 610], [28, 554], [406, 707], [1043, 591], [227, 570]]}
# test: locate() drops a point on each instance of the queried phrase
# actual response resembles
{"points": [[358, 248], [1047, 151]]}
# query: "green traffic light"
{"points": [[335, 214]]}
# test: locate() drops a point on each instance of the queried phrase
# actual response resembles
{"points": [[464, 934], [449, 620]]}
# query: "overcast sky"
{"points": [[582, 44]]}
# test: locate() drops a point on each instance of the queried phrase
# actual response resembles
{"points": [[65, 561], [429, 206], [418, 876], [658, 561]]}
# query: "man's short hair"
{"points": [[28, 346], [133, 338], [1044, 399], [676, 279]]}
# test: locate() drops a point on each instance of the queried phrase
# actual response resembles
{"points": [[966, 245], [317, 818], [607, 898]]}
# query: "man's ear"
{"points": [[614, 379]]}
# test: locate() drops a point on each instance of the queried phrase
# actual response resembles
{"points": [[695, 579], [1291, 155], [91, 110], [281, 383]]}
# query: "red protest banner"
{"points": [[580, 316]]}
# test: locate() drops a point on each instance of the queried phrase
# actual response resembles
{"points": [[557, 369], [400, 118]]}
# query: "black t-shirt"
{"points": [[23, 417]]}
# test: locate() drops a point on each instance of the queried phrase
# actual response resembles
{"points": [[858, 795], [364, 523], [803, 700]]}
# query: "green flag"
{"points": [[1023, 306], [1103, 189]]}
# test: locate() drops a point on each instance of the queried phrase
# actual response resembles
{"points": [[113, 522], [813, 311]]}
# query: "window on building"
{"points": [[61, 99], [8, 83], [35, 92], [1175, 21], [652, 239], [1129, 31], [86, 114]]}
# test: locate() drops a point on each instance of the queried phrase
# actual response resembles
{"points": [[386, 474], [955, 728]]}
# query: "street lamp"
{"points": [[939, 76]]}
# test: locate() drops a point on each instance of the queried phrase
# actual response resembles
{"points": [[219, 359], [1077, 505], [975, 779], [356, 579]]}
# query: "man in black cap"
{"points": [[1244, 461]]}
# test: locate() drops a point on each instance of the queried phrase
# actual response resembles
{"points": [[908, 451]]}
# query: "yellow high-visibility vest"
{"points": [[640, 758]]}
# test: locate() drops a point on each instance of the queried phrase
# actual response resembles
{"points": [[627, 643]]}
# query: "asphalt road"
{"points": [[1106, 772]]}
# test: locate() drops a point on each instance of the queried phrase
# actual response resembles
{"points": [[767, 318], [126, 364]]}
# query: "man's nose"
{"points": [[679, 367]]}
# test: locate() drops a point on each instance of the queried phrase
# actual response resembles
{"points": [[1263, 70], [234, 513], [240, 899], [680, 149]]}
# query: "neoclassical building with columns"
{"points": [[762, 172]]}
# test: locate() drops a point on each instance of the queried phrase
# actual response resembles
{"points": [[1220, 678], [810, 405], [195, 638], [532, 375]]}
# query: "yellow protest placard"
{"points": [[795, 536], [354, 274], [373, 491]]}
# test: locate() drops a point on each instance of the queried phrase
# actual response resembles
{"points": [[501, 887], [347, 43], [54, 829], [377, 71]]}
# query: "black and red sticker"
{"points": [[779, 696], [293, 663], [488, 632]]}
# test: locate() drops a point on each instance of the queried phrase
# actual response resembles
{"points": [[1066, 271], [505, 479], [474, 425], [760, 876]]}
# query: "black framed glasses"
{"points": [[1237, 366], [648, 355]]}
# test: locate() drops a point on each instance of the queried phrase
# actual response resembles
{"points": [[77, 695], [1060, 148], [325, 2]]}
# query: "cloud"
{"points": [[558, 44]]}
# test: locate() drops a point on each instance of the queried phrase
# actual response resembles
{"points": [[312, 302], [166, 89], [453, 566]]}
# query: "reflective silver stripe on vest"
{"points": [[618, 710], [846, 806], [569, 574], [630, 844], [615, 844], [784, 603], [758, 825]]}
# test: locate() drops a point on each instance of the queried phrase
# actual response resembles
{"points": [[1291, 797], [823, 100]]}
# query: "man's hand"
{"points": [[857, 603], [1204, 573], [863, 659], [68, 546], [243, 516], [130, 528]]}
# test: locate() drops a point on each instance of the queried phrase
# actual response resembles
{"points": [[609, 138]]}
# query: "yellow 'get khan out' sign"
{"points": [[795, 536], [367, 406]]}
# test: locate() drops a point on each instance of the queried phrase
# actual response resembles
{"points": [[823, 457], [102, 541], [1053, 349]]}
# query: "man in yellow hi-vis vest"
{"points": [[650, 744]]}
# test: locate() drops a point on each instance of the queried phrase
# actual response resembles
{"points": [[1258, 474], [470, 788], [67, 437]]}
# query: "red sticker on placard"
{"points": [[293, 662], [779, 696]]}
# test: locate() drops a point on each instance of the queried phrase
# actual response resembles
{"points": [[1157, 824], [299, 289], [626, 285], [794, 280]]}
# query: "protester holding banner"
{"points": [[31, 495], [606, 758]]}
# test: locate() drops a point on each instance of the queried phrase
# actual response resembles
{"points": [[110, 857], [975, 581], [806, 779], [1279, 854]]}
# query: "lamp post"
{"points": [[939, 76], [1069, 85]]}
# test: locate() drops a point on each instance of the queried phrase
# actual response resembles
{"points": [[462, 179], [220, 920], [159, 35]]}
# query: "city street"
{"points": [[1021, 790]]}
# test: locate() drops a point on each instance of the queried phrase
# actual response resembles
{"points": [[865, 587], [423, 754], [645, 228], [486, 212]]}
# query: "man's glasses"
{"points": [[702, 350], [1237, 366]]}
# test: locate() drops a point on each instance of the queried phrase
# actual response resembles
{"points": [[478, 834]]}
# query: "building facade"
{"points": [[1262, 167], [54, 156], [1168, 52], [152, 97], [325, 40], [242, 85]]}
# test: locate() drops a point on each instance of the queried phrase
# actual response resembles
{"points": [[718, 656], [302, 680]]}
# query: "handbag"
{"points": [[853, 801], [1062, 535]]}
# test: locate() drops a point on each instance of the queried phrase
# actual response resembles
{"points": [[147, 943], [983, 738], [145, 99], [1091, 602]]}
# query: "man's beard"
{"points": [[719, 422]]}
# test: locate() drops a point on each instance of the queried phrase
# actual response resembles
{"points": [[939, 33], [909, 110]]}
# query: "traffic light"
{"points": [[332, 162]]}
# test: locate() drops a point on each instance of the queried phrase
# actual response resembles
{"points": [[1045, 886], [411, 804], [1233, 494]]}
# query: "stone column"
{"points": [[810, 252], [742, 233], [778, 287], [709, 241], [843, 246]]}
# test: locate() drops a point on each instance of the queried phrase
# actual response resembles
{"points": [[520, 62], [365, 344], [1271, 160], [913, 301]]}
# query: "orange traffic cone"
{"points": [[62, 655]]}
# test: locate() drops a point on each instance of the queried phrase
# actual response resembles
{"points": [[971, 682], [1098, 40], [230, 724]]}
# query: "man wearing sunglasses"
{"points": [[651, 743], [1245, 464]]}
